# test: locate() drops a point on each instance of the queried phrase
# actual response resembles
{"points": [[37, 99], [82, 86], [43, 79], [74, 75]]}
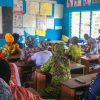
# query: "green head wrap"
{"points": [[58, 49]]}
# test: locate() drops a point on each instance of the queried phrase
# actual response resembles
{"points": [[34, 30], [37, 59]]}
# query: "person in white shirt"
{"points": [[42, 56], [91, 42]]}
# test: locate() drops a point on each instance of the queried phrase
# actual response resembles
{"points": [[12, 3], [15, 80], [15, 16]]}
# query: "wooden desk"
{"points": [[56, 41], [41, 79], [69, 87], [87, 62], [24, 69], [77, 69], [91, 57]]}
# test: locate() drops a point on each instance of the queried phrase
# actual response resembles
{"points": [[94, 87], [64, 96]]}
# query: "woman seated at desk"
{"points": [[16, 38], [19, 93], [58, 67], [74, 49], [91, 47], [29, 50], [42, 56], [9, 46]]}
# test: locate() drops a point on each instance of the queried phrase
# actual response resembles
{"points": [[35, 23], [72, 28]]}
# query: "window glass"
{"points": [[75, 24]]}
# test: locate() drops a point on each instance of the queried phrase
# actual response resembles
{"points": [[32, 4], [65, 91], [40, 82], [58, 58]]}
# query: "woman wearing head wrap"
{"points": [[93, 47], [58, 67], [16, 38], [18, 93], [42, 56], [74, 49], [9, 46], [29, 50]]}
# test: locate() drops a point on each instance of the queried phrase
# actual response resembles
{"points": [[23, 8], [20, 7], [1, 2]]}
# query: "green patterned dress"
{"points": [[58, 67]]}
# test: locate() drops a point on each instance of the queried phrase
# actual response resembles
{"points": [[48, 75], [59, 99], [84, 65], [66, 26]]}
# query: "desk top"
{"points": [[24, 64], [56, 41], [74, 84], [75, 65], [91, 57]]}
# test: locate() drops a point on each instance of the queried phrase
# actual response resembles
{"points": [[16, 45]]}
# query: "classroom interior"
{"points": [[49, 49]]}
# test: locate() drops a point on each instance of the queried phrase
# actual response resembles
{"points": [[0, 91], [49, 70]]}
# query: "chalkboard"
{"points": [[7, 20]]}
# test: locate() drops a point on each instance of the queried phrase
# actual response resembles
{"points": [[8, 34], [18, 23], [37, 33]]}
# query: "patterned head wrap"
{"points": [[43, 45], [74, 40], [9, 37], [58, 49], [29, 41]]}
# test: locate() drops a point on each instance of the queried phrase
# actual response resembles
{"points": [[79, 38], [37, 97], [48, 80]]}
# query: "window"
{"points": [[95, 24], [85, 22], [75, 24]]}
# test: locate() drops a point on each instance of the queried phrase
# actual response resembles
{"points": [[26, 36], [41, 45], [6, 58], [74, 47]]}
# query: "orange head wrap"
{"points": [[9, 37]]}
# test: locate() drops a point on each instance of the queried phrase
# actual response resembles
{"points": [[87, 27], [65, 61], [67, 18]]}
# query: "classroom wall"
{"points": [[7, 3], [50, 34], [67, 13]]}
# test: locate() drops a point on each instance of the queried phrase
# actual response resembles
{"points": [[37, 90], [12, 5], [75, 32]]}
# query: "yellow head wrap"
{"points": [[9, 37], [64, 38]]}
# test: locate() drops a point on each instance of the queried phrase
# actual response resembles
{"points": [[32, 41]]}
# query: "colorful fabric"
{"points": [[9, 37], [57, 65], [41, 57], [5, 92], [94, 89], [11, 49], [75, 50], [15, 79], [20, 93], [3, 52], [29, 41], [43, 45], [28, 52]]}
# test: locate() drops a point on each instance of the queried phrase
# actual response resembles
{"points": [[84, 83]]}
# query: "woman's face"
{"points": [[9, 43]]}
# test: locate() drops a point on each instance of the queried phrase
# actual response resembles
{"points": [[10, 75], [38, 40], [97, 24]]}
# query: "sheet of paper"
{"points": [[69, 3], [48, 1], [33, 8], [87, 2], [20, 31], [29, 31], [41, 22], [58, 27], [50, 23], [58, 11], [29, 21], [46, 9], [18, 7], [17, 20], [77, 2], [40, 32], [0, 20]]}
